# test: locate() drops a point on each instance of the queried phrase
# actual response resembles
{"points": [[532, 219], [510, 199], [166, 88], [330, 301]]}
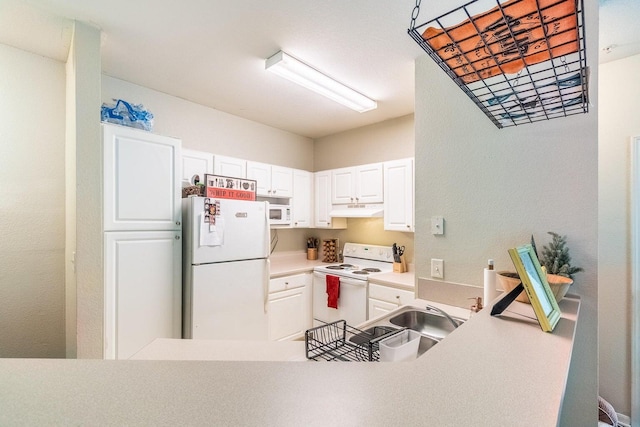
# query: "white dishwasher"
{"points": [[360, 261]]}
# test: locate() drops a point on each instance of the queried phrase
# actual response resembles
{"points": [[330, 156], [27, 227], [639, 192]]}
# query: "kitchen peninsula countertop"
{"points": [[490, 371], [404, 280]]}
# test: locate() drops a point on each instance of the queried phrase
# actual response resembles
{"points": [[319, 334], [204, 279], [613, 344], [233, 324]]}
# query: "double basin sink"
{"points": [[430, 322]]}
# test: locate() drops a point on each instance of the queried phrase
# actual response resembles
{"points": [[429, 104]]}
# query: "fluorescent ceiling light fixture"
{"points": [[292, 69]]}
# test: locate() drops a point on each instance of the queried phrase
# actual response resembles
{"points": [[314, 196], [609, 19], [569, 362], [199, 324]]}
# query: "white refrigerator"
{"points": [[225, 269]]}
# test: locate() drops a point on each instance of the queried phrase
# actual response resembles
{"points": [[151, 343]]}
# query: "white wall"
{"points": [[618, 123], [497, 187], [207, 129], [32, 205]]}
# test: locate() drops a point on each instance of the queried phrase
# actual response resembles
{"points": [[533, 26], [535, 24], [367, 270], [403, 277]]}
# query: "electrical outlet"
{"points": [[437, 268]]}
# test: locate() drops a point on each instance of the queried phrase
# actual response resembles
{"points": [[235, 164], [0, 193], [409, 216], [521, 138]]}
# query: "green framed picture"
{"points": [[534, 280]]}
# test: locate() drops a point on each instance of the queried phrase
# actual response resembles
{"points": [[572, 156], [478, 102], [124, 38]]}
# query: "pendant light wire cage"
{"points": [[520, 61]]}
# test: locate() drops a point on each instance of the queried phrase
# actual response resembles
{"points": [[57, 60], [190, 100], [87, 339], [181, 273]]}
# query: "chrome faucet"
{"points": [[444, 313]]}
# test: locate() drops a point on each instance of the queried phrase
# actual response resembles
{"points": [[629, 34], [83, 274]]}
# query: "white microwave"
{"points": [[279, 214]]}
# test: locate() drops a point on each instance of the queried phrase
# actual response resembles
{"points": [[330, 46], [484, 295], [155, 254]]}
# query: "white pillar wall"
{"points": [[84, 196]]}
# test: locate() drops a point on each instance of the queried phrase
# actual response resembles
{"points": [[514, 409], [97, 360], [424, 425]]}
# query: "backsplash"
{"points": [[456, 294], [359, 230]]}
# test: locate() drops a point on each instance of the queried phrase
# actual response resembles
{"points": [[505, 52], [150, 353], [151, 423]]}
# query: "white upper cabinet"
{"points": [[302, 199], [322, 202], [358, 184], [272, 181], [229, 166], [141, 180], [398, 195], [195, 163]]}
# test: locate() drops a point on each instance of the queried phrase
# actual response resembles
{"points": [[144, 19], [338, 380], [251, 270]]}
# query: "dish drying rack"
{"points": [[337, 341], [519, 61]]}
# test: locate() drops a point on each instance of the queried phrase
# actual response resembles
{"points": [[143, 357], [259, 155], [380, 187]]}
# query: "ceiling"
{"points": [[212, 52]]}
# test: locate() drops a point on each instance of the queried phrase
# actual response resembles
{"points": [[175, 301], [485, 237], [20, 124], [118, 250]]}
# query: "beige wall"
{"points": [[207, 129], [389, 140], [618, 123], [359, 230], [497, 187], [32, 205]]}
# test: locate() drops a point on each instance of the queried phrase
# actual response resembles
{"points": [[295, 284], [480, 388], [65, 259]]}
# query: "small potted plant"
{"points": [[555, 260]]}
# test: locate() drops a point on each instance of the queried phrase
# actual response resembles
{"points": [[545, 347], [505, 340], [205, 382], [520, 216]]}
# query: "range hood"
{"points": [[356, 211]]}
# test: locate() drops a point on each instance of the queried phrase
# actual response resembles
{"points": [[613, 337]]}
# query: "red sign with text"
{"points": [[225, 187]]}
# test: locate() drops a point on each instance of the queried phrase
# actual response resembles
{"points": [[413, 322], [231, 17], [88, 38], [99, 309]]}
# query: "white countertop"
{"points": [[288, 263], [404, 280], [490, 371]]}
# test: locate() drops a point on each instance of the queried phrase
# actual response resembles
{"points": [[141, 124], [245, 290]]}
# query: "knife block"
{"points": [[400, 267]]}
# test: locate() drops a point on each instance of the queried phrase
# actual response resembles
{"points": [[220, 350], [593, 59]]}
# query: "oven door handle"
{"points": [[343, 280], [353, 282]]}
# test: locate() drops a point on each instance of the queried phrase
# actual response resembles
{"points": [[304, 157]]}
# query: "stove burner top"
{"points": [[371, 270], [360, 272], [340, 267]]}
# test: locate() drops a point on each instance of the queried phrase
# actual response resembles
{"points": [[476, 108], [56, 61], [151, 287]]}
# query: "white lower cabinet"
{"points": [[143, 290], [384, 299], [289, 306]]}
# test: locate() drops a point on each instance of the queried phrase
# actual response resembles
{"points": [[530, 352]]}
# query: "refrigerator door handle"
{"points": [[267, 227], [265, 288]]}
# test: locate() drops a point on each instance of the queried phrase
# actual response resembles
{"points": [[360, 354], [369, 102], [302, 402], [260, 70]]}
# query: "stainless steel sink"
{"points": [[425, 344], [430, 323], [339, 341]]}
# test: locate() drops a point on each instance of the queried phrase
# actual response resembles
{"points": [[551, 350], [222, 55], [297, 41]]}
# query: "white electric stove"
{"points": [[360, 262]]}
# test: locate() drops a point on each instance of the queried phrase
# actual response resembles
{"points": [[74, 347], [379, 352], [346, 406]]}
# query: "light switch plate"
{"points": [[437, 268], [437, 225]]}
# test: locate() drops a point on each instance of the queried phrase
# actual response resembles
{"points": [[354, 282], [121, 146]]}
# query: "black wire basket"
{"points": [[520, 61], [337, 341]]}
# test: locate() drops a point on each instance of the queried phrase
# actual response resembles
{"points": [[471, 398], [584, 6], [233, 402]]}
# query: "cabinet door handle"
{"points": [[177, 222], [177, 237]]}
